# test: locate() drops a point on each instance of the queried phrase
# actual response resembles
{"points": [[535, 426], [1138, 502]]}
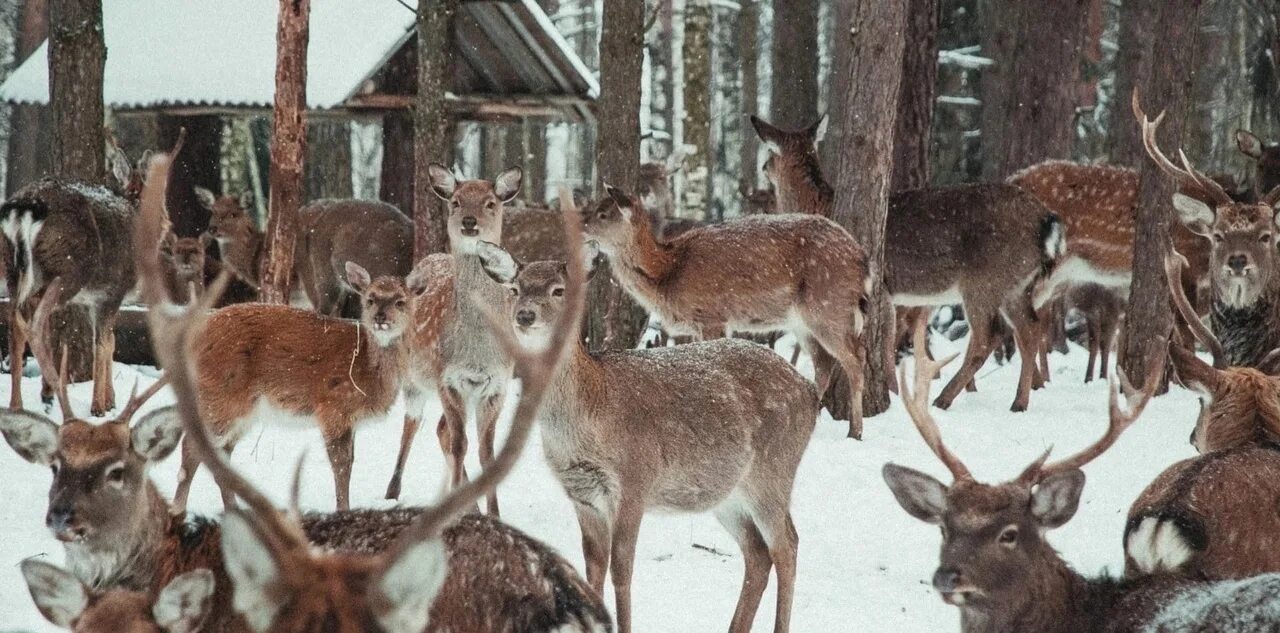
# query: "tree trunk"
{"points": [[697, 109], [1029, 95], [1133, 68], [396, 180], [914, 124], [614, 320], [867, 72], [749, 151], [1172, 72], [29, 142], [533, 160], [432, 126], [328, 166], [288, 149], [195, 165], [77, 55], [794, 103]]}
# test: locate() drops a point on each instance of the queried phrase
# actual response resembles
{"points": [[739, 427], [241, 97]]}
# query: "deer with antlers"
{"points": [[182, 606], [439, 574], [999, 570]]}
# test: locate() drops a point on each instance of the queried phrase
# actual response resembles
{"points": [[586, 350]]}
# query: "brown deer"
{"points": [[375, 235], [181, 606], [439, 574], [1245, 285], [716, 426], [999, 570], [451, 351], [240, 243], [1211, 516], [762, 273], [988, 246], [184, 262], [1267, 158], [1102, 308]]}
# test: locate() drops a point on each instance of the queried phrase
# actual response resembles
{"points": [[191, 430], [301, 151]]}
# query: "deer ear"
{"points": [[205, 197], [409, 585], [120, 168], [507, 184], [184, 603], [259, 590], [33, 437], [59, 596], [767, 133], [1250, 145], [922, 496], [621, 199], [417, 280], [358, 277], [819, 130], [500, 265], [156, 435], [442, 181], [1195, 214], [1055, 499], [1192, 372]]}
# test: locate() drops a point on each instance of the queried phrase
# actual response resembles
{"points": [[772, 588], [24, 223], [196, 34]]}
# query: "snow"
{"points": [[864, 564]]}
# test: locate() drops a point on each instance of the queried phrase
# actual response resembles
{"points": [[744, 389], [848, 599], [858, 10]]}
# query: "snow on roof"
{"points": [[205, 53]]}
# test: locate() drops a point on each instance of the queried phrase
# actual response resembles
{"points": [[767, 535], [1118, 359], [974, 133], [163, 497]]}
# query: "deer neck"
{"points": [[474, 291], [806, 192], [243, 257], [643, 264], [129, 560], [1247, 333], [1057, 600], [571, 404]]}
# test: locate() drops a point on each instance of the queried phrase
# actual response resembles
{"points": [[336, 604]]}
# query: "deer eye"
{"points": [[515, 292], [557, 292], [1264, 238], [490, 205], [368, 302], [1009, 536], [115, 473], [399, 303], [1217, 237]]}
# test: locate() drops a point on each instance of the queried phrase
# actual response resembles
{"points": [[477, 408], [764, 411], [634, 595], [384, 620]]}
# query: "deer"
{"points": [[184, 259], [999, 570], [1244, 283], [240, 242], [1266, 157], [451, 351], [438, 573], [182, 606], [715, 426], [993, 247], [1183, 522], [1103, 309]]}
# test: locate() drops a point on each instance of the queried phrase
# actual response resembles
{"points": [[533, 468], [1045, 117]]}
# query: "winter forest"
{"points": [[508, 316]]}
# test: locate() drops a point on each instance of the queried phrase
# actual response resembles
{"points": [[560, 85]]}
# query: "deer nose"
{"points": [[526, 317], [469, 222], [1237, 263], [945, 580], [61, 521]]}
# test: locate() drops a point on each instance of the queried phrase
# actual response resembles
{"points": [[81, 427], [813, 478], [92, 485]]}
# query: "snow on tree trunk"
{"points": [[29, 143], [867, 63], [328, 166], [288, 149], [697, 108], [77, 55], [1173, 31], [794, 102], [432, 126]]}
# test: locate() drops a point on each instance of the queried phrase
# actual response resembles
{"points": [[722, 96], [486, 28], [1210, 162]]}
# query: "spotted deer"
{"points": [[1245, 286], [716, 426], [1266, 157], [451, 351], [989, 246], [1211, 516], [438, 573], [182, 606]]}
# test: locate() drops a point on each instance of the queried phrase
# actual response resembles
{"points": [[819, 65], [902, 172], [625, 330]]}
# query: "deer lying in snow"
{"points": [[717, 426], [997, 568], [181, 606]]}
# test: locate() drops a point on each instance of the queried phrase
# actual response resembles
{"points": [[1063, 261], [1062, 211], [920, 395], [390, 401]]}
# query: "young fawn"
{"points": [[181, 606], [802, 273], [184, 260], [437, 575], [451, 351], [717, 426]]}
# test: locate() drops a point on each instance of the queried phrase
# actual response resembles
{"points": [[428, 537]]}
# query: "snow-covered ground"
{"points": [[864, 564]]}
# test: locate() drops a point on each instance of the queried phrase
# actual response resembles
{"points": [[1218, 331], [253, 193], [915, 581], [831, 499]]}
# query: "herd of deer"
{"points": [[716, 426]]}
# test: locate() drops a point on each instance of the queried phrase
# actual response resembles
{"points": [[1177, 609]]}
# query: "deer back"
{"points": [[375, 235], [533, 234]]}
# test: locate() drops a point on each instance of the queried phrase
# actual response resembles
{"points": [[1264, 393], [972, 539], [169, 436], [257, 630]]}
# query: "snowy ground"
{"points": [[864, 564]]}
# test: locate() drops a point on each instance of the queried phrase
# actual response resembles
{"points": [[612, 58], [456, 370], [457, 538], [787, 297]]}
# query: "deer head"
{"points": [[654, 189], [1265, 155], [181, 607], [229, 218], [475, 206], [614, 222], [1242, 258], [537, 291], [185, 255], [384, 303], [793, 167], [993, 545], [129, 177], [99, 470]]}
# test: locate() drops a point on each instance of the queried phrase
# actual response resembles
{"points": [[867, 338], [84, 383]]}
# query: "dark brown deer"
{"points": [[1245, 309], [988, 246], [1267, 158], [240, 243], [439, 574], [718, 425], [1102, 308], [1211, 516], [375, 235], [184, 263], [181, 606]]}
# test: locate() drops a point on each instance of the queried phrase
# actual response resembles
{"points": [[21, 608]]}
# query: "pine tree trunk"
{"points": [[329, 159], [615, 321], [77, 55], [288, 149], [534, 161], [1172, 70], [697, 108], [749, 150], [867, 72], [29, 156], [432, 124], [795, 63], [914, 123], [1133, 68]]}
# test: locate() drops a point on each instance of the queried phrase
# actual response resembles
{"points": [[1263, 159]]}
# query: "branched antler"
{"points": [[1199, 185], [916, 399], [1173, 263]]}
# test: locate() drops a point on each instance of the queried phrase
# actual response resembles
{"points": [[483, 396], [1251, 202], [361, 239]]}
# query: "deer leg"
{"points": [[452, 433], [847, 349], [783, 544], [104, 391], [413, 407], [341, 449], [17, 353], [595, 546], [1024, 337], [626, 529], [975, 355], [1091, 331], [487, 427], [756, 563]]}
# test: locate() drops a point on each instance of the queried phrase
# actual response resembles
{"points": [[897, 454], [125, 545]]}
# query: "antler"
{"points": [[1187, 176], [136, 401], [54, 373], [916, 398], [1173, 263]]}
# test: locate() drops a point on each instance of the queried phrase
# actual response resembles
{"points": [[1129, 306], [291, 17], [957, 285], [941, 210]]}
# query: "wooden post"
{"points": [[30, 123], [288, 149], [432, 125]]}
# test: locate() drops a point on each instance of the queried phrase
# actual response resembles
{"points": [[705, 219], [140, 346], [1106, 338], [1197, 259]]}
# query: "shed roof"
{"points": [[181, 54]]}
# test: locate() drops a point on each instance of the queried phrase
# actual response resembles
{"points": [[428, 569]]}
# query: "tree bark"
{"points": [[1029, 95], [1168, 88], [916, 93], [866, 74], [195, 165], [396, 180], [288, 149], [328, 165], [534, 161], [795, 63], [77, 55], [614, 320], [748, 25], [697, 109], [432, 126], [1133, 68], [29, 156]]}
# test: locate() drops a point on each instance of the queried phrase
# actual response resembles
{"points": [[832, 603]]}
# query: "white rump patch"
{"points": [[1158, 546], [28, 230]]}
